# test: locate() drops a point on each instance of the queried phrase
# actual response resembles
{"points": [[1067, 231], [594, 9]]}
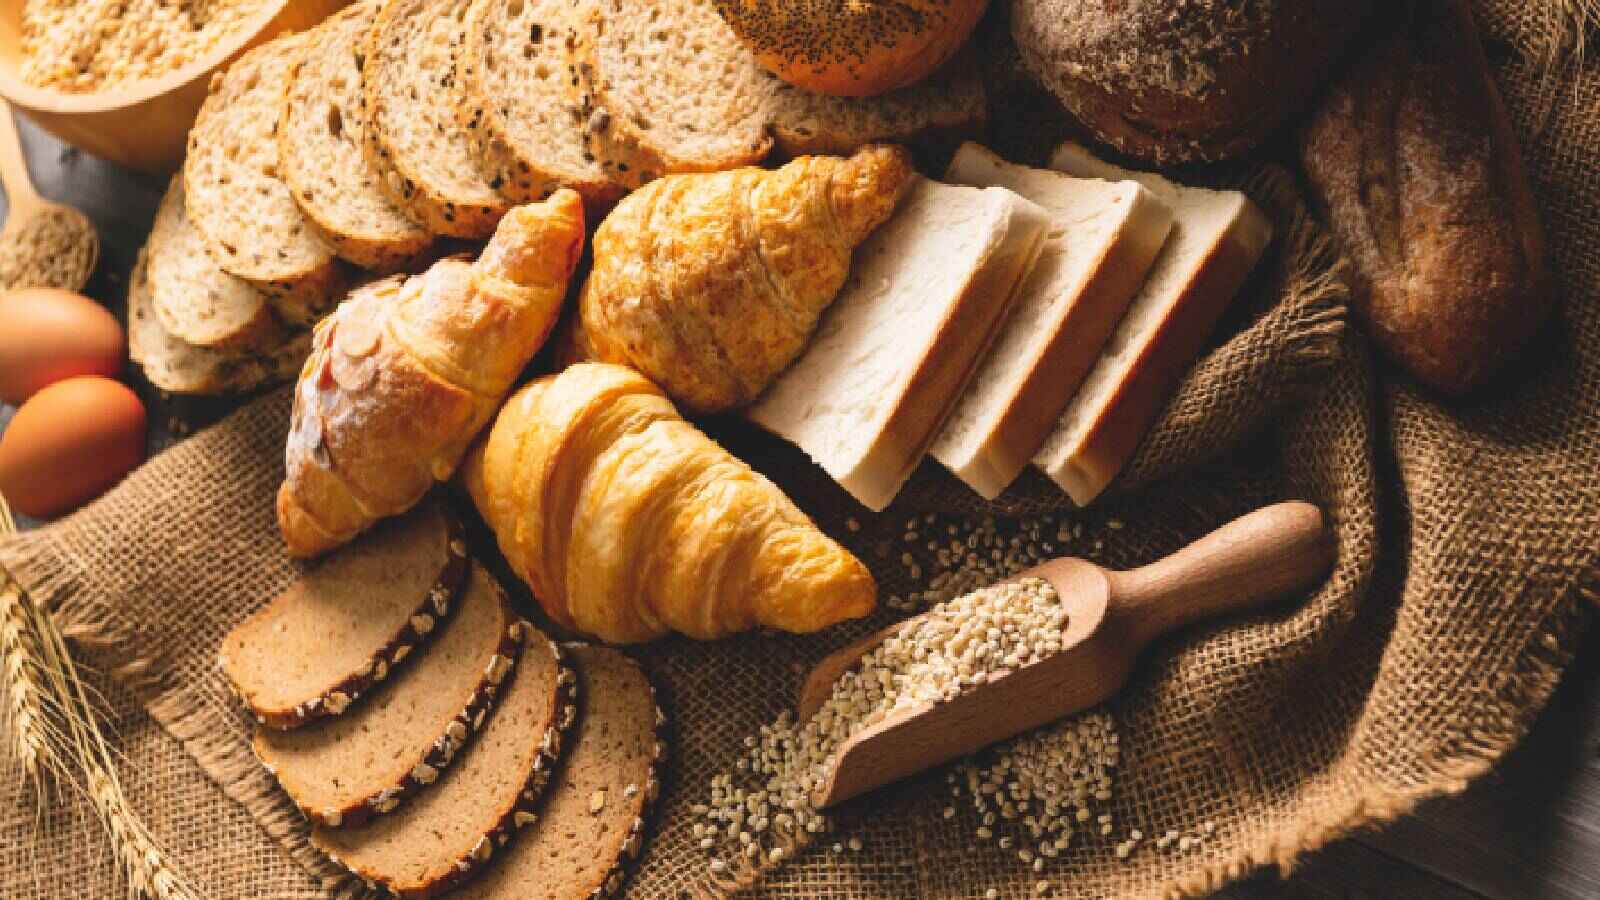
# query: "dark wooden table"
{"points": [[1529, 831]]}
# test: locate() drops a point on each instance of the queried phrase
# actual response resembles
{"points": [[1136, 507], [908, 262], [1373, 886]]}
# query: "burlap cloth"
{"points": [[1466, 539]]}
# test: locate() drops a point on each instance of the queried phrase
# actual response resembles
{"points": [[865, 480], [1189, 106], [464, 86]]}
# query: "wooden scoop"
{"points": [[54, 244], [1111, 617]]}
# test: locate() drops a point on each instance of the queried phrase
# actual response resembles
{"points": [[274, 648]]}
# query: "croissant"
{"points": [[405, 373], [711, 284], [627, 522]]}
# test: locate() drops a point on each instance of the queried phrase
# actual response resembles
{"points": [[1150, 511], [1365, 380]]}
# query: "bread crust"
{"points": [[1413, 160]]}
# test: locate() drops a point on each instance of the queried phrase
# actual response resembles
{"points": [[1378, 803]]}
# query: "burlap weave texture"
{"points": [[1466, 537]]}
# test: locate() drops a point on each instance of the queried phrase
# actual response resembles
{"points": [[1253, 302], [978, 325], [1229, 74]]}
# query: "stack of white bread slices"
{"points": [[1015, 315]]}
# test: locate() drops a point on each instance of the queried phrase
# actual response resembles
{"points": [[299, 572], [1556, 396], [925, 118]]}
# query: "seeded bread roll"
{"points": [[235, 197], [346, 769], [852, 48], [415, 136], [525, 96], [394, 588], [1177, 80], [321, 142]]}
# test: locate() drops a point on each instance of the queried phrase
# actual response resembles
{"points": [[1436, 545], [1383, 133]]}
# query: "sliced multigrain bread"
{"points": [[525, 96], [1216, 239], [1104, 236], [391, 589], [415, 136], [251, 224], [345, 769], [891, 356], [592, 825], [449, 832], [180, 368], [322, 145], [199, 303]]}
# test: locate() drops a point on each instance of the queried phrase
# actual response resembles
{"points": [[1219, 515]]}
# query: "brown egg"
{"points": [[69, 443], [47, 334]]}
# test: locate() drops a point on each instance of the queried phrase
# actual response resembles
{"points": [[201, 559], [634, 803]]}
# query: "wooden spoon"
{"points": [[1111, 617], [43, 244]]}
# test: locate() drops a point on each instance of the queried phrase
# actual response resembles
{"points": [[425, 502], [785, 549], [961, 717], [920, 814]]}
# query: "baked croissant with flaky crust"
{"points": [[711, 284], [406, 372], [627, 522]]}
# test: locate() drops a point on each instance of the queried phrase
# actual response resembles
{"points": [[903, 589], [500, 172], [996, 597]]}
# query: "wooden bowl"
{"points": [[145, 124]]}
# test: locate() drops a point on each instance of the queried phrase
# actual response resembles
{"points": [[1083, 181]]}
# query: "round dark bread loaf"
{"points": [[1177, 80]]}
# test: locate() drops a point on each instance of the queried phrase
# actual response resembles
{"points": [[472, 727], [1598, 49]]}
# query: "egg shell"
{"points": [[69, 443], [47, 334]]}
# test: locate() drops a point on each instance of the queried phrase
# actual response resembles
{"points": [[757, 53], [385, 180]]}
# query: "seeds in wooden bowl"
{"points": [[81, 46]]}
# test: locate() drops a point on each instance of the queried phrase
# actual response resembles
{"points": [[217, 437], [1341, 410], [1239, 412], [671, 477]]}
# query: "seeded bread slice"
{"points": [[415, 136], [322, 141], [448, 833], [525, 98], [179, 368], [236, 199], [358, 608], [197, 302], [593, 822], [345, 769]]}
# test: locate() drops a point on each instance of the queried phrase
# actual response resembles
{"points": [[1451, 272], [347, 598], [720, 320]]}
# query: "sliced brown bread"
{"points": [[525, 97], [197, 302], [236, 199], [415, 136], [322, 145], [446, 834], [179, 368], [593, 822], [358, 608], [345, 769]]}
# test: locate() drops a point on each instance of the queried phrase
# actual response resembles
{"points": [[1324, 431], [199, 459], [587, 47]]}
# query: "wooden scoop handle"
{"points": [[20, 194]]}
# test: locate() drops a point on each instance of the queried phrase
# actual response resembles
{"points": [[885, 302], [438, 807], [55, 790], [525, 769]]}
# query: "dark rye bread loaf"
{"points": [[364, 610], [593, 821], [345, 769], [449, 832]]}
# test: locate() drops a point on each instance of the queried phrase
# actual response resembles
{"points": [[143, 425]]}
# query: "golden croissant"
{"points": [[711, 284], [406, 372], [627, 522]]}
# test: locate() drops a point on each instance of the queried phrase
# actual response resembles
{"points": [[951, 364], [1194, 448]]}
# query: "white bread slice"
{"points": [[322, 141], [1217, 238], [893, 353], [1104, 236]]}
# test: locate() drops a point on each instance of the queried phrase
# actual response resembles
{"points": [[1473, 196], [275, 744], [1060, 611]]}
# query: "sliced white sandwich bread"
{"points": [[322, 141], [1217, 238], [893, 353], [1104, 236]]}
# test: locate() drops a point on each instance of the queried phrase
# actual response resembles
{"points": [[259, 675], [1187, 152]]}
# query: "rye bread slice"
{"points": [[592, 825], [449, 832], [358, 608], [322, 141], [525, 97], [236, 199], [179, 368], [415, 136], [345, 769]]}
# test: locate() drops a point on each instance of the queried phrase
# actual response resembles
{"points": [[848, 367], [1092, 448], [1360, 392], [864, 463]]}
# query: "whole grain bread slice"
{"points": [[179, 368], [345, 769], [525, 98], [251, 224], [322, 145], [415, 136], [446, 834], [592, 824], [359, 608], [197, 302]]}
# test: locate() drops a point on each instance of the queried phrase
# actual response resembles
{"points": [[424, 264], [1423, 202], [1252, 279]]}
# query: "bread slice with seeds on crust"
{"points": [[322, 145], [235, 197], [415, 136], [358, 608], [346, 769]]}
